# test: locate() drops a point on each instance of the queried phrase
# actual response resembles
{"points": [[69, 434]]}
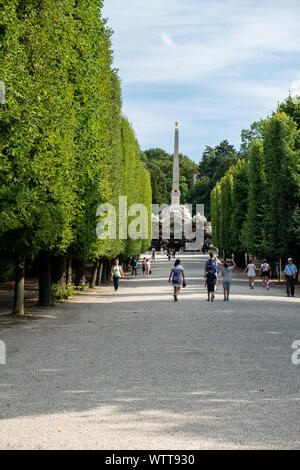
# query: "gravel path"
{"points": [[133, 370]]}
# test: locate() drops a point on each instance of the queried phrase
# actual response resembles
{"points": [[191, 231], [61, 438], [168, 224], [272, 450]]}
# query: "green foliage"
{"points": [[200, 193], [213, 166], [214, 198], [37, 188], [160, 165], [64, 149], [282, 182], [135, 184], [254, 228], [255, 133], [225, 238], [255, 206], [239, 202], [291, 107], [7, 270], [60, 293]]}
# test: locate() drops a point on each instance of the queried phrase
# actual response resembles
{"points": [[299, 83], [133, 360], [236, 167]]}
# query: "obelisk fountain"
{"points": [[175, 194]]}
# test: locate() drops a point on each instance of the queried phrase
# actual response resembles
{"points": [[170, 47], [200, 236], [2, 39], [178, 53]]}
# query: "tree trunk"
{"points": [[95, 272], [99, 274], [69, 274], [80, 276], [18, 308], [58, 270], [108, 272], [45, 293]]}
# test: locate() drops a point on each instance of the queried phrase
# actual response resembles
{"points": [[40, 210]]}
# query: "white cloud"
{"points": [[295, 88], [167, 40], [214, 65], [209, 35]]}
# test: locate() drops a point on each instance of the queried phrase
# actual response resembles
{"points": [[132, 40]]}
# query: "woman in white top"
{"points": [[116, 274], [251, 268], [148, 267]]}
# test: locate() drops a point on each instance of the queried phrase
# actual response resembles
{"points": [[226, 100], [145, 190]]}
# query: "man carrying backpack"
{"points": [[213, 262]]}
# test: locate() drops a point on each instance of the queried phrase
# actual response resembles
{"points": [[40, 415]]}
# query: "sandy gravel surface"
{"points": [[133, 370]]}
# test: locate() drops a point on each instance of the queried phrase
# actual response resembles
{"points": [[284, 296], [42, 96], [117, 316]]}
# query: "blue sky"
{"points": [[214, 66]]}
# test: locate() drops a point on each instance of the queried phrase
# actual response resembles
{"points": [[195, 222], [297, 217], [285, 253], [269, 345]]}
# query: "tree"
{"points": [[254, 231], [291, 107], [62, 144], [158, 182], [282, 183], [249, 135], [160, 165], [239, 202], [37, 199], [200, 194], [213, 166]]}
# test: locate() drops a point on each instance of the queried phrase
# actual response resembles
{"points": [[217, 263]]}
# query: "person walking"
{"points": [[148, 267], [251, 272], [134, 267], [210, 277], [265, 274], [214, 262], [177, 277], [144, 266], [169, 254], [153, 255], [116, 274], [227, 278], [290, 273]]}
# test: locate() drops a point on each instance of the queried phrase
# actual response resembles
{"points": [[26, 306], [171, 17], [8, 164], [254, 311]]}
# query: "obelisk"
{"points": [[175, 194]]}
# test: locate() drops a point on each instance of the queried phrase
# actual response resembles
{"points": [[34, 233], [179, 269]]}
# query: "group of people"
{"points": [[211, 275], [146, 266], [290, 274], [212, 272], [170, 252], [117, 272]]}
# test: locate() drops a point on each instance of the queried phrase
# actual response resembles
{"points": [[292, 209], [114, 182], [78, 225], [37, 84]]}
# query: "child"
{"points": [[210, 282], [227, 278]]}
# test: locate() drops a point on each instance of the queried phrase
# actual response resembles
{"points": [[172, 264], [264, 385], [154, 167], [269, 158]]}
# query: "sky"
{"points": [[215, 66]]}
